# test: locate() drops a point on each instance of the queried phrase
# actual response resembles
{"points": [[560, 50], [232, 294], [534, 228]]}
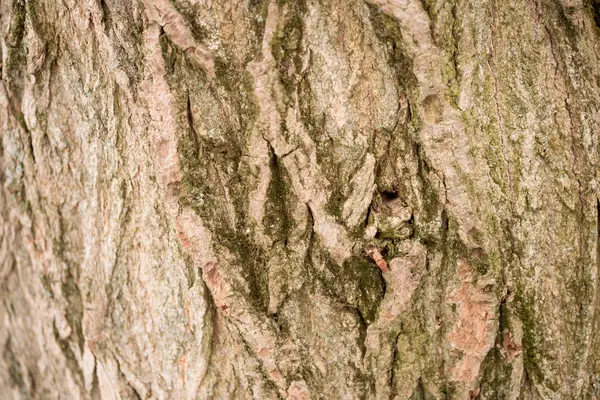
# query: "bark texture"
{"points": [[198, 199]]}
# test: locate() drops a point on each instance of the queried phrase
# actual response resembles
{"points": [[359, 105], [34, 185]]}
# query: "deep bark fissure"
{"points": [[595, 5], [106, 16], [192, 132]]}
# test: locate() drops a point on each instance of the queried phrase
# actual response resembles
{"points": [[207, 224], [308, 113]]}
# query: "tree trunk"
{"points": [[300, 199]]}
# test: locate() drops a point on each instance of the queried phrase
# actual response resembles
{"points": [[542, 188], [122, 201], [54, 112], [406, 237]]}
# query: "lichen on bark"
{"points": [[299, 199]]}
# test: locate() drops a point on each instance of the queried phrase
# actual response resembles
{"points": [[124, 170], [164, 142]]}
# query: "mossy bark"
{"points": [[300, 199]]}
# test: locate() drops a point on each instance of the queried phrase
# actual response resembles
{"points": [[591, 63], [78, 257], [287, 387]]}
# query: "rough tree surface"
{"points": [[198, 199]]}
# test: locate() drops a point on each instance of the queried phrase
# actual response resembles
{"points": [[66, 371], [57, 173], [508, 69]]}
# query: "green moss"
{"points": [[239, 92], [251, 262], [370, 286], [190, 14], [16, 61], [426, 224], [258, 9], [496, 368], [286, 45], [388, 230], [496, 375], [14, 366], [532, 349], [389, 33], [215, 183], [14, 37], [335, 203], [277, 220], [494, 158], [561, 17], [227, 76], [357, 283]]}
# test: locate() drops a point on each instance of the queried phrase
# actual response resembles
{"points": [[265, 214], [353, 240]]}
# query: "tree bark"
{"points": [[300, 199]]}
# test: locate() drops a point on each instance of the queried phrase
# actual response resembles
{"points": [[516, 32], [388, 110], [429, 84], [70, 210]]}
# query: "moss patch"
{"points": [[277, 220], [357, 283]]}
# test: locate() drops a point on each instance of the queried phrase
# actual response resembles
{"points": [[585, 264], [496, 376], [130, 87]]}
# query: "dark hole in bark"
{"points": [[368, 214], [389, 195], [384, 252], [596, 11]]}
